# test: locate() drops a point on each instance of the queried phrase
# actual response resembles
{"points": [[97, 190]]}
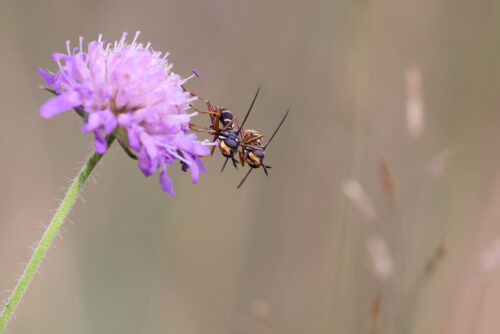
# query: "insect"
{"points": [[224, 127], [252, 150]]}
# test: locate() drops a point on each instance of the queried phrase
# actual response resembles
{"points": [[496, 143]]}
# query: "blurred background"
{"points": [[380, 215]]}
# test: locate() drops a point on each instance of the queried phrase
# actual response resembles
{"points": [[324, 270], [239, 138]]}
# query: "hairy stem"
{"points": [[48, 237]]}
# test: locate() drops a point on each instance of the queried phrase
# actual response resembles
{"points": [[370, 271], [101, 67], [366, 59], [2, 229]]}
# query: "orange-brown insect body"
{"points": [[253, 151]]}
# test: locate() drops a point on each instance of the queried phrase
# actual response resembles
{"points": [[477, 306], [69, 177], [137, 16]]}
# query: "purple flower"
{"points": [[128, 90]]}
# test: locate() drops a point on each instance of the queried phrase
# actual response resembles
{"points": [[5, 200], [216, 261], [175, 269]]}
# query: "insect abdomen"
{"points": [[226, 116]]}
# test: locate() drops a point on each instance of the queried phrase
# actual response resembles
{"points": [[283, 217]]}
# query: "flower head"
{"points": [[128, 90]]}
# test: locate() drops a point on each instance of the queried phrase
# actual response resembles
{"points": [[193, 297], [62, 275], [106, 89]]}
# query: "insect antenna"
{"points": [[239, 185], [249, 109], [279, 126]]}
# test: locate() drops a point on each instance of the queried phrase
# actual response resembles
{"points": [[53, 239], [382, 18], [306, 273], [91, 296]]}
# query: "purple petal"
{"points": [[202, 150], [97, 119], [188, 143], [93, 122], [133, 138], [121, 98], [166, 182], [49, 78], [144, 163], [195, 171], [100, 142], [147, 99], [59, 104], [200, 165], [125, 120], [149, 144], [56, 56], [110, 121]]}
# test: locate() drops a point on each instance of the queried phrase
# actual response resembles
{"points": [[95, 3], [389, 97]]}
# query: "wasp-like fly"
{"points": [[224, 127], [253, 151]]}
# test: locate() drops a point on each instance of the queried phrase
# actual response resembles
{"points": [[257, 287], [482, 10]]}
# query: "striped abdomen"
{"points": [[226, 117]]}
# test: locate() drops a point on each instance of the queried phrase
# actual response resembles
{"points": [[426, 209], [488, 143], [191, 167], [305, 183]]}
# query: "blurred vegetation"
{"points": [[288, 253]]}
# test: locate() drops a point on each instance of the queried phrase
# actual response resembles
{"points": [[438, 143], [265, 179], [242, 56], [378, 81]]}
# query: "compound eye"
{"points": [[231, 143]]}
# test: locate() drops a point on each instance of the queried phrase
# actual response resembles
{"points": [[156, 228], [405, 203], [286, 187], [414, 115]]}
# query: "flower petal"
{"points": [[133, 138], [149, 144], [166, 182], [59, 104], [100, 144], [195, 172], [93, 122], [129, 86], [200, 165], [110, 121], [49, 78], [144, 162]]}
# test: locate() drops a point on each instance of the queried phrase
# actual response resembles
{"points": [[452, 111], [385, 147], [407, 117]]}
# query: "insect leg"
{"points": [[242, 158], [224, 165]]}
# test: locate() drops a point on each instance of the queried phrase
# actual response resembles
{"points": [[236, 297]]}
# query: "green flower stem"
{"points": [[48, 236]]}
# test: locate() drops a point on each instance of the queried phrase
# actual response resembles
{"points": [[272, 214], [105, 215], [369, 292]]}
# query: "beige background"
{"points": [[135, 260]]}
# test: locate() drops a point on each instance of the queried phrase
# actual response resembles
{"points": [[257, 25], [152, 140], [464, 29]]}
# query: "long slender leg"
{"points": [[203, 111], [253, 139], [196, 95], [224, 165], [227, 126], [235, 162], [255, 147], [239, 128], [242, 158], [199, 126], [265, 169], [212, 149], [203, 130], [214, 115], [216, 119]]}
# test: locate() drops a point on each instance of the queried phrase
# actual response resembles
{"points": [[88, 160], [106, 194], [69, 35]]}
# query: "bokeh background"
{"points": [[288, 253]]}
